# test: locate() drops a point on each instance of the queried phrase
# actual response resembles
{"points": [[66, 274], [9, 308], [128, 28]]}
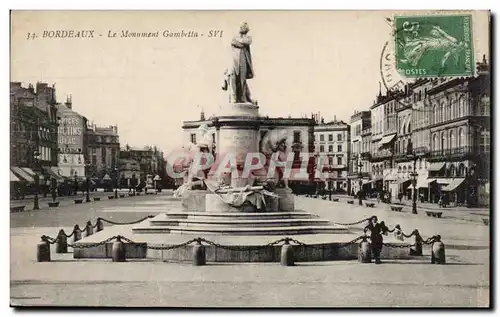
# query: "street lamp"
{"points": [[413, 157], [360, 165], [133, 181], [36, 156], [116, 182], [87, 181]]}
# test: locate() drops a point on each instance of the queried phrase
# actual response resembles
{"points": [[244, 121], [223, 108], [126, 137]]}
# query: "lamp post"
{"points": [[133, 181], [413, 157], [87, 182], [116, 182], [36, 156], [360, 165]]}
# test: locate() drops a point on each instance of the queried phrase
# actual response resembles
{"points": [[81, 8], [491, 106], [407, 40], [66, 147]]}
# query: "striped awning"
{"points": [[32, 173], [437, 166], [424, 182], [454, 184], [13, 177], [22, 174]]}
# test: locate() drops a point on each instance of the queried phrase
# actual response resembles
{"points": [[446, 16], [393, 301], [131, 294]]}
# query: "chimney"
{"points": [[69, 103]]}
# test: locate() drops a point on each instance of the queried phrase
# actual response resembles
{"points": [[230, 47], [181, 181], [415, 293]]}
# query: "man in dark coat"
{"points": [[376, 232]]}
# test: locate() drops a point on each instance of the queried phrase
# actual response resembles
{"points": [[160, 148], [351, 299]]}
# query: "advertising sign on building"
{"points": [[70, 131]]}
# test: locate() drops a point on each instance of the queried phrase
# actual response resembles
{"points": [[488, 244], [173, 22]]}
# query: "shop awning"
{"points": [[444, 181], [22, 174], [391, 174], [454, 184], [424, 182], [13, 177], [387, 139], [51, 173], [369, 181], [32, 173], [401, 181], [436, 167]]}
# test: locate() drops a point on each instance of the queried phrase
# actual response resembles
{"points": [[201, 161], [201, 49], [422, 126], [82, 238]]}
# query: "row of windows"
{"points": [[330, 136], [339, 160], [330, 148]]}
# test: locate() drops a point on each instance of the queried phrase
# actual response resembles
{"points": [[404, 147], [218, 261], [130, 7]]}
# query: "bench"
{"points": [[78, 201], [111, 197], [371, 205], [486, 221], [335, 199], [397, 208], [350, 202], [53, 204], [17, 208], [434, 213], [122, 195], [97, 198]]}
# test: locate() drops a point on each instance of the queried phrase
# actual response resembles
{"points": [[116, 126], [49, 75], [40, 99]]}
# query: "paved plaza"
{"points": [[464, 281]]}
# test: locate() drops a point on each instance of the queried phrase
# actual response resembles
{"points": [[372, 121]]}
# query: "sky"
{"points": [[304, 61]]}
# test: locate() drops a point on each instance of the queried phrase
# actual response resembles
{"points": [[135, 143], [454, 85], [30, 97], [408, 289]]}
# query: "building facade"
{"points": [[136, 163], [71, 141], [332, 141], [33, 127], [103, 150], [359, 167]]}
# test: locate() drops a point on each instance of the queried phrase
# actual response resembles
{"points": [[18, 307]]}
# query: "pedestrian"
{"points": [[376, 232], [378, 198]]}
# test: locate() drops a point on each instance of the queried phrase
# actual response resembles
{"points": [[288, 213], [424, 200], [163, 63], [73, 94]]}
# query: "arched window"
{"points": [[452, 171], [403, 150], [453, 106], [461, 106], [461, 137], [435, 110], [400, 171], [397, 147], [461, 170], [452, 139], [484, 105], [435, 142], [420, 164], [408, 128], [442, 112], [443, 141], [484, 141]]}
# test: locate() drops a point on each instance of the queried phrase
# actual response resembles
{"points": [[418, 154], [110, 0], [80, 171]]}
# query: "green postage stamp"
{"points": [[434, 46]]}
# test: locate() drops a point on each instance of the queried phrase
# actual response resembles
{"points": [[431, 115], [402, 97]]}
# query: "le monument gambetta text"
{"points": [[124, 34]]}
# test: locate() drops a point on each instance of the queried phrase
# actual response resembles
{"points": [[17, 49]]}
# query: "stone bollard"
{"points": [[118, 251], [61, 242], [77, 233], [99, 225], [418, 243], [89, 230], [199, 256], [438, 252], [364, 252], [287, 257], [43, 251]]}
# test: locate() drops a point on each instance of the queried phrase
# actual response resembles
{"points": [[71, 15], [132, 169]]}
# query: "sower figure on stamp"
{"points": [[241, 68], [376, 232]]}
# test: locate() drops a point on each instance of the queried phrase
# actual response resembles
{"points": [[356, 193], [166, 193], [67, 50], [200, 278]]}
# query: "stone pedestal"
{"points": [[238, 135], [286, 200], [213, 203], [272, 204], [194, 200]]}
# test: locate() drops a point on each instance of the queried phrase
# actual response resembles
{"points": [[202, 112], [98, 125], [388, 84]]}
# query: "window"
{"points": [[461, 106], [103, 156], [435, 111], [452, 139], [321, 148], [339, 137], [330, 148], [484, 141], [321, 137], [193, 138], [443, 141], [461, 139], [213, 138], [330, 137], [339, 161], [296, 137], [339, 148], [330, 160], [484, 103], [434, 142], [94, 160]]}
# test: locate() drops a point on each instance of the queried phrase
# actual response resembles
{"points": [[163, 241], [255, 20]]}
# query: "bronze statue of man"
{"points": [[241, 68]]}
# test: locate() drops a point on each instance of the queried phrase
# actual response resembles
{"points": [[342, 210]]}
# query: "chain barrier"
{"points": [[352, 223], [69, 235], [92, 245], [125, 223]]}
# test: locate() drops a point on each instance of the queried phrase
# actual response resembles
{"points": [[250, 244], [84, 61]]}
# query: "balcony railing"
{"points": [[455, 153]]}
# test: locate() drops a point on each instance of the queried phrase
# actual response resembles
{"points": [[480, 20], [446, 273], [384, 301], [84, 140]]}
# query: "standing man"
{"points": [[376, 232], [242, 68]]}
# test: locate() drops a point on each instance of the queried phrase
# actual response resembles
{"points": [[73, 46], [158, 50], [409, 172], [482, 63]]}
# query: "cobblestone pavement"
{"points": [[464, 281]]}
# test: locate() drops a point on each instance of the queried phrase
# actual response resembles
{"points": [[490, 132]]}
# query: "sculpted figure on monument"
{"points": [[241, 68]]}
